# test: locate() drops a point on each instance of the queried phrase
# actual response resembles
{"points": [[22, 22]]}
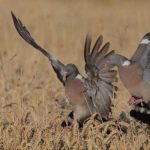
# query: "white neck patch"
{"points": [[78, 76], [126, 63], [145, 41]]}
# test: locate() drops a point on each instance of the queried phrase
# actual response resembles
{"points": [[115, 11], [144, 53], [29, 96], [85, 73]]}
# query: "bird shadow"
{"points": [[145, 118]]}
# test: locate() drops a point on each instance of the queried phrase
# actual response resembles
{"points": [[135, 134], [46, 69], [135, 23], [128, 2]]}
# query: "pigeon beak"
{"points": [[65, 76]]}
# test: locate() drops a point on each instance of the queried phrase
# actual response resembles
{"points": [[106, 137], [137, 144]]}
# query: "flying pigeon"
{"points": [[86, 95], [135, 72]]}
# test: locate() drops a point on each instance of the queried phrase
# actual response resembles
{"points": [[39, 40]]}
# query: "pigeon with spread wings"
{"points": [[87, 95]]}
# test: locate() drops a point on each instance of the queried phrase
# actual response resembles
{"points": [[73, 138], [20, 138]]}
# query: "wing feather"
{"points": [[100, 76], [142, 48], [103, 51], [142, 56], [87, 47], [58, 67], [96, 47]]}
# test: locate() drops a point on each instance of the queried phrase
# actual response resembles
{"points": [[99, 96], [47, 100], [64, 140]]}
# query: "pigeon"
{"points": [[87, 95], [135, 72]]}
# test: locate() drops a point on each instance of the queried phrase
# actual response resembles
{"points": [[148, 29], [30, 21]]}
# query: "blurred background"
{"points": [[28, 84]]}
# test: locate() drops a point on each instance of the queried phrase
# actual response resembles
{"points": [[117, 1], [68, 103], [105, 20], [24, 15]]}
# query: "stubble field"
{"points": [[32, 100]]}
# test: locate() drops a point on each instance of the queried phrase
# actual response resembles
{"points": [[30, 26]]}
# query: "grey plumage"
{"points": [[58, 66], [100, 76], [87, 95], [135, 72]]}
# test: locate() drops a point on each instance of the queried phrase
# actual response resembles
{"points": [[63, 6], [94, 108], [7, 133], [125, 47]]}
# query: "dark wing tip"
{"points": [[87, 46], [14, 17], [12, 13], [147, 35], [15, 20], [107, 45], [97, 45], [88, 41], [21, 29], [112, 52], [88, 36], [25, 34]]}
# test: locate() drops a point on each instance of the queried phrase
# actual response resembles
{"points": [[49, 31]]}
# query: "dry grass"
{"points": [[30, 114]]}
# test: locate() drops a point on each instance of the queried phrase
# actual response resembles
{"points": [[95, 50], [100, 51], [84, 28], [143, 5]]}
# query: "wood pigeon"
{"points": [[135, 72], [87, 95]]}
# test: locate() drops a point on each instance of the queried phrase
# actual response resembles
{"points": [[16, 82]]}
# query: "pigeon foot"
{"points": [[135, 101]]}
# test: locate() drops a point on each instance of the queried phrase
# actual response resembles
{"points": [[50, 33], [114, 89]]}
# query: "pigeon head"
{"points": [[71, 72], [118, 60]]}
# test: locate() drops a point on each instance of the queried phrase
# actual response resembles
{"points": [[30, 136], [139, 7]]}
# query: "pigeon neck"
{"points": [[79, 77], [126, 63], [72, 77]]}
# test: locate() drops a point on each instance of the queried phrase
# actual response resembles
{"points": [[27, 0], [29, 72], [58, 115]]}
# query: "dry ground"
{"points": [[30, 114]]}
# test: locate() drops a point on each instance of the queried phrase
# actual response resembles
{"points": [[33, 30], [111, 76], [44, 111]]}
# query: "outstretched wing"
{"points": [[142, 53], [58, 67], [99, 75], [142, 56]]}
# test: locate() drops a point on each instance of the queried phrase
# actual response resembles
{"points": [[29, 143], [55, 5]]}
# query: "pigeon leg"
{"points": [[135, 101], [138, 101]]}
